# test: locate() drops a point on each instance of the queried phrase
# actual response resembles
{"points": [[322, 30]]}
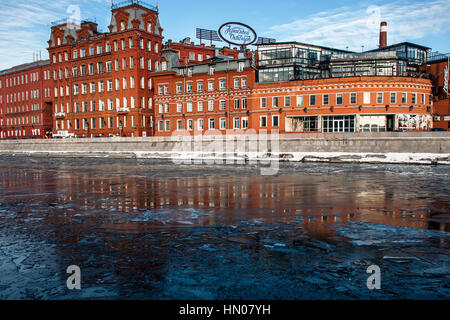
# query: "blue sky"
{"points": [[332, 23]]}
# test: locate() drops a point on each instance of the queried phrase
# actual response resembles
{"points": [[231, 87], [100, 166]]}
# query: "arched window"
{"points": [[58, 41], [149, 27], [122, 25]]}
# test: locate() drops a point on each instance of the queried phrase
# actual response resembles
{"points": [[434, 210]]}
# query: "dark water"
{"points": [[153, 230]]}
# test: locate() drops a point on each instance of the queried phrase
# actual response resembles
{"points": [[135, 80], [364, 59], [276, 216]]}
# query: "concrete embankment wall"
{"points": [[423, 148]]}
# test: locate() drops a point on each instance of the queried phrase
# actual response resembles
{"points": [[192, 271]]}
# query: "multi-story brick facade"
{"points": [[25, 104], [441, 98], [202, 97], [384, 95], [102, 85], [353, 104]]}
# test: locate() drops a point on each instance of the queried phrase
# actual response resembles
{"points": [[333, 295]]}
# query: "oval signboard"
{"points": [[237, 33]]}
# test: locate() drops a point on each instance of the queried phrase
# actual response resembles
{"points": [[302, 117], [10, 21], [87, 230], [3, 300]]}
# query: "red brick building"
{"points": [[210, 96], [190, 53], [439, 67], [296, 87], [25, 103], [102, 83]]}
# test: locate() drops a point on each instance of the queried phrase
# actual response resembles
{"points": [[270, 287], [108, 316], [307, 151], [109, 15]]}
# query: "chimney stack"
{"points": [[383, 35]]}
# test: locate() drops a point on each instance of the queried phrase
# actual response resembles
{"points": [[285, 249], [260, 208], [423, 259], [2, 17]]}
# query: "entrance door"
{"points": [[339, 125], [390, 125]]}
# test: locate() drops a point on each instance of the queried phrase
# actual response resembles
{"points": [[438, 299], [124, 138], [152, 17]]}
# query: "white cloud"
{"points": [[25, 26], [358, 26]]}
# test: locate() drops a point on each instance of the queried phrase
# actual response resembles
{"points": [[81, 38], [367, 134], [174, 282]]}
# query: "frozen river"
{"points": [[153, 230]]}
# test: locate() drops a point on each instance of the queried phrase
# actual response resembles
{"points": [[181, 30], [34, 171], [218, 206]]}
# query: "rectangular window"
{"points": [[414, 98], [339, 99], [223, 105], [211, 124], [287, 101], [263, 102], [380, 98], [236, 104], [222, 85], [300, 101], [326, 99], [245, 123], [199, 86], [244, 104], [189, 107], [200, 106], [404, 98], [179, 107], [312, 100], [275, 102], [393, 98], [200, 124], [244, 83], [236, 83], [275, 121], [367, 98], [263, 121], [223, 124], [353, 98], [210, 105]]}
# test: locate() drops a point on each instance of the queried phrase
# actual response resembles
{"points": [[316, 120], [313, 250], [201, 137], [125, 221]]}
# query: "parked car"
{"points": [[438, 130]]}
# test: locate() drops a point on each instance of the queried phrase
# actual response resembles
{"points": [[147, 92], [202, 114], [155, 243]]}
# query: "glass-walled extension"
{"points": [[297, 61], [292, 61], [280, 74], [289, 54], [413, 53]]}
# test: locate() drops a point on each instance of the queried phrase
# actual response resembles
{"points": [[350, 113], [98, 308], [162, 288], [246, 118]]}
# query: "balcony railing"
{"points": [[122, 110], [437, 56], [126, 3], [60, 115]]}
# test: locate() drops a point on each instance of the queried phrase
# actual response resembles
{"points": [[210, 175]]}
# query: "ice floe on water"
{"points": [[179, 217], [372, 234]]}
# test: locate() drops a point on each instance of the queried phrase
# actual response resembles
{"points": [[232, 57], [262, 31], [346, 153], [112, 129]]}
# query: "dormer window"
{"points": [[241, 67], [149, 27], [58, 41], [122, 25]]}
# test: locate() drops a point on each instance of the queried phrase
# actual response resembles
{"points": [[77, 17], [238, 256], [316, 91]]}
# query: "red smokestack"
{"points": [[383, 35]]}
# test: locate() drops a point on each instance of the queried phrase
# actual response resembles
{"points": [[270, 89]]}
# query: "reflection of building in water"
{"points": [[318, 199]]}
